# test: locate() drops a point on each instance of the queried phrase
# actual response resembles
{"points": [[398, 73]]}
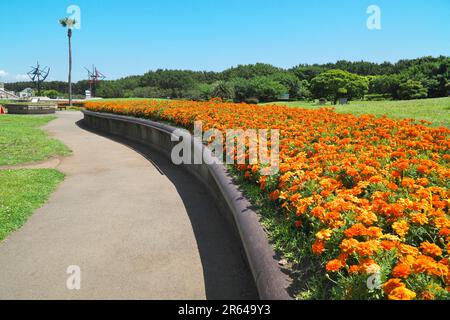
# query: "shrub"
{"points": [[331, 85], [52, 94], [223, 90], [412, 89]]}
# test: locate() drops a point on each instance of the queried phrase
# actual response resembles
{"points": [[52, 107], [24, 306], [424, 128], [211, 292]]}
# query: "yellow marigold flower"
{"points": [[401, 228], [419, 218], [392, 284], [402, 293], [324, 234]]}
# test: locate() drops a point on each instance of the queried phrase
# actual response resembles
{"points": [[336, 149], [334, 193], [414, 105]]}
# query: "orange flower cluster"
{"points": [[367, 191]]}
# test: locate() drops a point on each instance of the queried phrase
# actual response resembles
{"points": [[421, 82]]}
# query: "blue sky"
{"points": [[131, 37]]}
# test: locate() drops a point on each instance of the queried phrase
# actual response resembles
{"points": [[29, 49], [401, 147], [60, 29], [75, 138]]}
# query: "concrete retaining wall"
{"points": [[30, 109], [271, 282]]}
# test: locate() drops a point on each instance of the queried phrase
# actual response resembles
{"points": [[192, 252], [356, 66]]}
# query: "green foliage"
{"points": [[412, 89], [250, 71], [384, 84], [147, 92], [266, 89], [223, 90], [52, 94], [262, 88], [110, 89], [333, 84], [432, 72], [290, 81], [202, 91]]}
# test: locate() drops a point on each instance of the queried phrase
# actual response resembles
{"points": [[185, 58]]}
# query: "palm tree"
{"points": [[69, 23]]}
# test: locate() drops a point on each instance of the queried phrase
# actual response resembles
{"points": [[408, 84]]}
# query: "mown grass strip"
{"points": [[21, 193], [22, 140]]}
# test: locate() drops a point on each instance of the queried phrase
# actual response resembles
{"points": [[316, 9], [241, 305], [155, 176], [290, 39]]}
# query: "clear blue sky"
{"points": [[131, 37]]}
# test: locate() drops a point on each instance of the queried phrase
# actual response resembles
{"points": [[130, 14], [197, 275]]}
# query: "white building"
{"points": [[26, 93], [6, 94]]}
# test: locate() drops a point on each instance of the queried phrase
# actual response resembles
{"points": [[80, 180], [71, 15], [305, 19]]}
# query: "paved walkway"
{"points": [[136, 225]]}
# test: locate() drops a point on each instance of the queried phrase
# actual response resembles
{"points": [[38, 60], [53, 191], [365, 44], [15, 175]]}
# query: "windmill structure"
{"points": [[38, 75], [94, 78]]}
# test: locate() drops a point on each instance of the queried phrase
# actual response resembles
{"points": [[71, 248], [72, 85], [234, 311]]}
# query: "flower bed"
{"points": [[368, 197]]}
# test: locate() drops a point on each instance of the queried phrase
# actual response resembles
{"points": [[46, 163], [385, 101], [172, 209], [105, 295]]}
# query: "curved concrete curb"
{"points": [[271, 282]]}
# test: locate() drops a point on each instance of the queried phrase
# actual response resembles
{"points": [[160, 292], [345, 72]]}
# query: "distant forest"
{"points": [[406, 79]]}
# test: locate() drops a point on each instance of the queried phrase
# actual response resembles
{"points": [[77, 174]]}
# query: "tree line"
{"points": [[406, 79]]}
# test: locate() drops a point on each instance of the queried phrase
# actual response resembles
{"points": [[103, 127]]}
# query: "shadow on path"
{"points": [[226, 274]]}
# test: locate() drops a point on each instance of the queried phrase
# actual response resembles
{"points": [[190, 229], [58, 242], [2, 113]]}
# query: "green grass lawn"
{"points": [[435, 110], [22, 141], [22, 192]]}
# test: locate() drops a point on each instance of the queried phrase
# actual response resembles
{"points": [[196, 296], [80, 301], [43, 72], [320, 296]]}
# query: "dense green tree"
{"points": [[290, 81], [334, 84], [385, 85], [384, 80], [412, 89], [250, 71], [223, 90]]}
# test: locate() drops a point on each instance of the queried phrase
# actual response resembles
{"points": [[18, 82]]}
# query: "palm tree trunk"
{"points": [[70, 66]]}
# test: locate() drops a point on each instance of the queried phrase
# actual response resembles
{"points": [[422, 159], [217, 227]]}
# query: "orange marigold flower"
{"points": [[408, 250], [318, 247], [401, 228], [444, 232], [392, 284], [419, 218], [353, 269], [402, 293], [318, 212], [375, 179], [298, 224], [431, 249], [423, 182], [334, 168], [401, 270], [375, 232], [367, 248], [408, 182], [392, 186], [334, 265], [274, 195], [349, 245], [388, 245], [355, 230]]}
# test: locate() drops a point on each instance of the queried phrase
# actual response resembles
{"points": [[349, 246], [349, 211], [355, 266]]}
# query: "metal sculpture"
{"points": [[38, 75], [94, 77]]}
